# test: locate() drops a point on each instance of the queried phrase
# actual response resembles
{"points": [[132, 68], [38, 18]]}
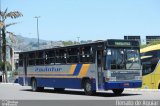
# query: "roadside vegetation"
{"points": [[152, 43], [4, 15]]}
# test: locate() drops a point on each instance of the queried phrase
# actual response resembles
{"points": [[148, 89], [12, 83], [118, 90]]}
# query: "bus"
{"points": [[150, 67], [103, 65]]}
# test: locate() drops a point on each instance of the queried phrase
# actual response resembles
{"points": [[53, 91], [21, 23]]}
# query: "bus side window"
{"points": [[64, 60], [40, 56], [57, 57], [20, 63], [153, 66], [147, 69], [73, 55], [82, 55], [63, 56], [16, 65], [31, 58], [86, 54], [50, 57], [158, 54]]}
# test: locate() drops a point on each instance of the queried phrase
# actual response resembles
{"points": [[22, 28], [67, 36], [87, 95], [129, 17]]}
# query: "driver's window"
{"points": [[146, 69], [115, 59], [108, 59]]}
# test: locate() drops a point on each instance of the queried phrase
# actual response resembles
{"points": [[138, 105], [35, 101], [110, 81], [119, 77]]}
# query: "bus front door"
{"points": [[25, 71], [100, 68], [148, 77]]}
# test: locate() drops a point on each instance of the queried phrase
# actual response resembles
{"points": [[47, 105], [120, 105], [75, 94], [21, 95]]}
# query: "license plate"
{"points": [[126, 84]]}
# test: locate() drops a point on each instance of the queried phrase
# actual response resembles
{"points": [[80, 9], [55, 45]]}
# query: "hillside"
{"points": [[27, 44]]}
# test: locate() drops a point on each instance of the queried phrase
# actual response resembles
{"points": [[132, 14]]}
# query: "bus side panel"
{"points": [[93, 82], [157, 81], [21, 76], [59, 82], [74, 83], [21, 81], [157, 76], [120, 85], [146, 79], [57, 79], [152, 80]]}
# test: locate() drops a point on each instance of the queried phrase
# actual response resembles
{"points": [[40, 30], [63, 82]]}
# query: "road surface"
{"points": [[17, 92]]}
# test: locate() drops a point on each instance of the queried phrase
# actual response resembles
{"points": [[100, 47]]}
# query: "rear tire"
{"points": [[117, 91], [88, 88], [34, 86]]}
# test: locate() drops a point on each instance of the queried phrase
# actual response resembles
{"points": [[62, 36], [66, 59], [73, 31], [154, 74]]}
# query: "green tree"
{"points": [[4, 16], [67, 43], [155, 42]]}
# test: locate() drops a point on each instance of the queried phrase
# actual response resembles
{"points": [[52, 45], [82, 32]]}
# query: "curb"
{"points": [[9, 83], [146, 90]]}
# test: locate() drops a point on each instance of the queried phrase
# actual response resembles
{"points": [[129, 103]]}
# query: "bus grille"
{"points": [[124, 76]]}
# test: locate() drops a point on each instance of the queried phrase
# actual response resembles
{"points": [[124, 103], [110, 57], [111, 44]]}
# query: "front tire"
{"points": [[88, 89], [159, 86], [117, 91]]}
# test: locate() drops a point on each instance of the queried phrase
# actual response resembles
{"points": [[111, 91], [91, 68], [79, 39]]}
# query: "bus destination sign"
{"points": [[123, 43]]}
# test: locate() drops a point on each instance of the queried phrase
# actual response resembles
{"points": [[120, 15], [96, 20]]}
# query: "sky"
{"points": [[87, 19]]}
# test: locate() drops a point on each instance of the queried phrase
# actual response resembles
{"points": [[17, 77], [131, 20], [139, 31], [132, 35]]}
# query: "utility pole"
{"points": [[3, 73], [78, 39], [37, 18], [0, 33]]}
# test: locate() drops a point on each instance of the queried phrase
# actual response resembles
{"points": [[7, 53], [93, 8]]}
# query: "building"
{"points": [[138, 38], [15, 58], [150, 39]]}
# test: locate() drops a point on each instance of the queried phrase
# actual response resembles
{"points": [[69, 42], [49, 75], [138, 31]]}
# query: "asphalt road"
{"points": [[17, 92]]}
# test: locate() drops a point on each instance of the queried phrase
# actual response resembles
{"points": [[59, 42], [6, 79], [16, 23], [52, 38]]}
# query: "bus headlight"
{"points": [[138, 78], [112, 79]]}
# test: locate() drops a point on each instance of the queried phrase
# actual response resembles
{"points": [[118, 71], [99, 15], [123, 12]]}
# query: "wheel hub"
{"points": [[88, 87]]}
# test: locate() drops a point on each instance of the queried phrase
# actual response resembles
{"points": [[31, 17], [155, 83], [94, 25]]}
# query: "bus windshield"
{"points": [[149, 61], [147, 68], [117, 58]]}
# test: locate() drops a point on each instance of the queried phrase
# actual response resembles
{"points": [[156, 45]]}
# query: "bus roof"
{"points": [[109, 42], [150, 48]]}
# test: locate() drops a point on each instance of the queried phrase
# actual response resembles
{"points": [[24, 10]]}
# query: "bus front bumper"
{"points": [[121, 85]]}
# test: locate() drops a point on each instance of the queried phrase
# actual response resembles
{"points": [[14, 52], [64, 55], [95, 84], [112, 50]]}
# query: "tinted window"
{"points": [[148, 68]]}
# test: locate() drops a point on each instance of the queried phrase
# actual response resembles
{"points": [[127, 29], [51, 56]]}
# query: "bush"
{"points": [[15, 73], [9, 67]]}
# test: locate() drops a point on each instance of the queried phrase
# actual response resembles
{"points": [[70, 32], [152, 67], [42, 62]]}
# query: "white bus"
{"points": [[105, 65]]}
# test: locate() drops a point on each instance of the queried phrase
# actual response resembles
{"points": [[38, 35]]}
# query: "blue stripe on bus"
{"points": [[121, 84], [77, 70], [74, 83]]}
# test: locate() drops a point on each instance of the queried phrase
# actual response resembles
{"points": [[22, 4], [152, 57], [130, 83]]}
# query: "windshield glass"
{"points": [[149, 61], [147, 68], [118, 58]]}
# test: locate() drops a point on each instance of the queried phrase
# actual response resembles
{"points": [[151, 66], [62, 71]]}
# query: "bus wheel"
{"points": [[117, 91], [34, 86], [59, 89], [159, 86], [88, 87]]}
